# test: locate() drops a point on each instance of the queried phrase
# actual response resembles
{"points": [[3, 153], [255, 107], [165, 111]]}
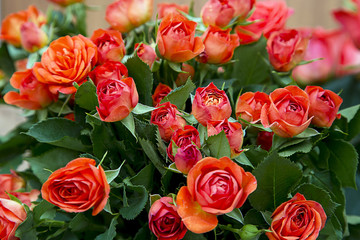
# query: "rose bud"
{"points": [[170, 8], [249, 104], [108, 70], [297, 218], [324, 106], [233, 131], [264, 140], [182, 138], [32, 37], [67, 60], [146, 53], [32, 95], [77, 187], [12, 214], [110, 45], [168, 119], [210, 104], [286, 49], [188, 71], [11, 25], [10, 183], [176, 39], [124, 15], [214, 187], [65, 3], [26, 197], [219, 45], [186, 157], [350, 21], [117, 98], [164, 221], [269, 16], [287, 113], [160, 92]]}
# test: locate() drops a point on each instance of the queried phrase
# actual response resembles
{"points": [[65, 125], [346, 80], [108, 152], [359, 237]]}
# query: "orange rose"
{"points": [[160, 92], [77, 187], [67, 60], [249, 104], [12, 214], [146, 53], [219, 45], [287, 113], [176, 39], [210, 104], [214, 187], [110, 45], [324, 106], [188, 71], [169, 8], [65, 3], [108, 70], [32, 94], [117, 98], [297, 218]]}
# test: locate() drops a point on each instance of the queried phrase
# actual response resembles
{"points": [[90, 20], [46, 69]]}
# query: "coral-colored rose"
{"points": [[219, 45], [288, 112], [12, 214], [10, 183], [146, 53], [176, 39], [11, 25], [164, 221], [117, 98], [188, 71], [210, 104], [110, 45], [32, 94], [249, 104], [108, 70], [324, 106], [168, 119], [297, 218], [220, 12], [270, 16], [350, 21], [186, 157], [233, 131], [286, 49], [182, 138], [169, 8], [67, 60], [160, 92], [32, 37], [125, 15], [214, 187], [77, 187], [65, 3], [264, 140]]}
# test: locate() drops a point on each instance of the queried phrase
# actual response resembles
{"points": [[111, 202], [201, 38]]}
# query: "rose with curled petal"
{"points": [[161, 91], [108, 70], [12, 214], [324, 106], [288, 112], [249, 104], [186, 157], [169, 8], [117, 98], [297, 218], [66, 61], [176, 39], [164, 221], [210, 104], [214, 187], [146, 53], [77, 187], [168, 119]]}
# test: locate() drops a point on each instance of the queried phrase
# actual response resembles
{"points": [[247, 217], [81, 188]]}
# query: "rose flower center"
{"points": [[213, 98]]}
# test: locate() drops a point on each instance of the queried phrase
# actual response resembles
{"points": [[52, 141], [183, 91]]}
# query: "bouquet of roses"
{"points": [[229, 125]]}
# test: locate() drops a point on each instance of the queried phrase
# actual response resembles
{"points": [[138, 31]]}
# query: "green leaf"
{"points": [[44, 210], [112, 174], [110, 233], [243, 160], [193, 236], [137, 197], [189, 118], [57, 107], [276, 176], [79, 223], [354, 220], [141, 109], [145, 177], [27, 230], [6, 62], [143, 233], [256, 155], [143, 78], [236, 215], [152, 154], [60, 132], [349, 113], [219, 145], [179, 95], [32, 59], [176, 67], [303, 147], [309, 132], [255, 217], [129, 123], [86, 96]]}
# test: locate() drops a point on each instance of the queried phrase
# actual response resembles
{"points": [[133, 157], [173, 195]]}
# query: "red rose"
{"points": [[186, 157], [324, 106], [160, 92], [168, 119], [286, 49], [77, 187], [176, 39], [214, 187], [164, 221], [188, 71], [249, 104], [117, 98], [146, 53], [170, 8], [297, 218], [12, 214], [108, 70], [264, 140], [210, 104], [287, 113]]}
